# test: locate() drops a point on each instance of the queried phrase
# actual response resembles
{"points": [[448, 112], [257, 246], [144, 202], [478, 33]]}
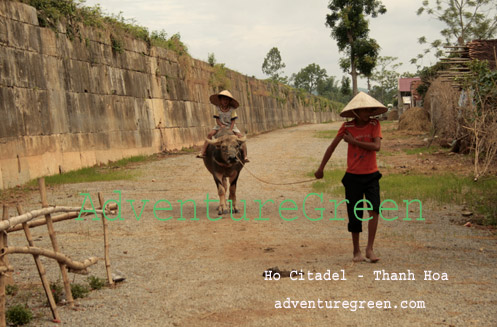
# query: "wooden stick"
{"points": [[4, 269], [41, 270], [106, 242], [3, 322], [3, 264], [53, 239], [61, 258], [62, 217], [8, 276], [6, 224]]}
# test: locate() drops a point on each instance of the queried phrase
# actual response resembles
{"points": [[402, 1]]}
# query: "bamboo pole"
{"points": [[62, 217], [7, 224], [8, 276], [106, 242], [41, 270], [55, 245], [4, 269], [4, 266], [3, 322], [61, 258]]}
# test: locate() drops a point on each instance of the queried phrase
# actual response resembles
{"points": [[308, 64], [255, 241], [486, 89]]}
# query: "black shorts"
{"points": [[356, 188]]}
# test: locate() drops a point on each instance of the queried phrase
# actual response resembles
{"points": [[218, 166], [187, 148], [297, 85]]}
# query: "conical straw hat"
{"points": [[215, 99], [363, 101]]}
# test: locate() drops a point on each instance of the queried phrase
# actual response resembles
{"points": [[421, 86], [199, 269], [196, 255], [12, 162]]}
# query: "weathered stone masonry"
{"points": [[67, 104]]}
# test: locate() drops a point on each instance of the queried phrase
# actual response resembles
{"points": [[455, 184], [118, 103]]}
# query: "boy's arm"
{"points": [[370, 146], [234, 117], [327, 155], [218, 121]]}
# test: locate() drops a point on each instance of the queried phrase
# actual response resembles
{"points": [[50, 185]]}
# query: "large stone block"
{"points": [[4, 33], [57, 109], [136, 84], [10, 172], [54, 71], [135, 45], [18, 11], [100, 81], [11, 124], [116, 81]]}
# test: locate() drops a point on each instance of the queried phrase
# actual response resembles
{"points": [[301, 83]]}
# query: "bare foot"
{"points": [[371, 256], [358, 257]]}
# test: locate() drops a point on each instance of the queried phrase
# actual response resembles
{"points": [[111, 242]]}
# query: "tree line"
{"points": [[349, 24]]}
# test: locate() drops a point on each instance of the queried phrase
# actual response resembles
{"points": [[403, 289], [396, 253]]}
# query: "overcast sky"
{"points": [[241, 33]]}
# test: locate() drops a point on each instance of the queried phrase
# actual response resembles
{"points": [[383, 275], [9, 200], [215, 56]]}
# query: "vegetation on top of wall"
{"points": [[219, 80], [281, 92], [72, 14]]}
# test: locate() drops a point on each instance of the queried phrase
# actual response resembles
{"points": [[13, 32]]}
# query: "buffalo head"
{"points": [[226, 149]]}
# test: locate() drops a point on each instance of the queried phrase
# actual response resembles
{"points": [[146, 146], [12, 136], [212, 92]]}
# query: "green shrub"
{"points": [[79, 291], [219, 79], [56, 289], [18, 315], [96, 283], [117, 45], [72, 13]]}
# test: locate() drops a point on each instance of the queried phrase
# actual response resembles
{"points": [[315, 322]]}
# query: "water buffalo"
{"points": [[222, 159]]}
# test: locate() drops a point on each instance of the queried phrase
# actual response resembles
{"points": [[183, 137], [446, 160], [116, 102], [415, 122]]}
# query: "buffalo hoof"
{"points": [[236, 211]]}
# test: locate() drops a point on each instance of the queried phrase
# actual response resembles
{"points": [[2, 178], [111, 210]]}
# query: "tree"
{"points": [[367, 54], [273, 65], [327, 87], [309, 77], [466, 20], [330, 88], [386, 75], [211, 59], [345, 86], [351, 30]]}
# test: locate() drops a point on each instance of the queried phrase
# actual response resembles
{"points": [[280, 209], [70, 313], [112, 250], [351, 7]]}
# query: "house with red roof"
{"points": [[408, 96]]}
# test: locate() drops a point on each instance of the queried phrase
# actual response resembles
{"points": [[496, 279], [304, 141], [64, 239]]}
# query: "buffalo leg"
{"points": [[233, 181], [221, 191]]}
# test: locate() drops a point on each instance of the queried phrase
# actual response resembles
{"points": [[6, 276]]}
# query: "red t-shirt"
{"points": [[361, 161]]}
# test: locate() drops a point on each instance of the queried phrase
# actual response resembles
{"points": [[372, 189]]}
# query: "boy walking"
{"points": [[363, 135]]}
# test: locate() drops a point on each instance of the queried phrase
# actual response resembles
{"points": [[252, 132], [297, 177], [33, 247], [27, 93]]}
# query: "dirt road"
{"points": [[209, 273]]}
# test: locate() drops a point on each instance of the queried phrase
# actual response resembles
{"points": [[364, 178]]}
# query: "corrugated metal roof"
{"points": [[405, 83]]}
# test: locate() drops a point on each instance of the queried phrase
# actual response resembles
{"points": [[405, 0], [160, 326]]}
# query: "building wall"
{"points": [[67, 104]]}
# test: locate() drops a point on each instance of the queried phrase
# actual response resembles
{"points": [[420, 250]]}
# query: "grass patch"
{"points": [[85, 175], [79, 291], [114, 170], [331, 134], [423, 150], [18, 315], [331, 183], [96, 283], [439, 188]]}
